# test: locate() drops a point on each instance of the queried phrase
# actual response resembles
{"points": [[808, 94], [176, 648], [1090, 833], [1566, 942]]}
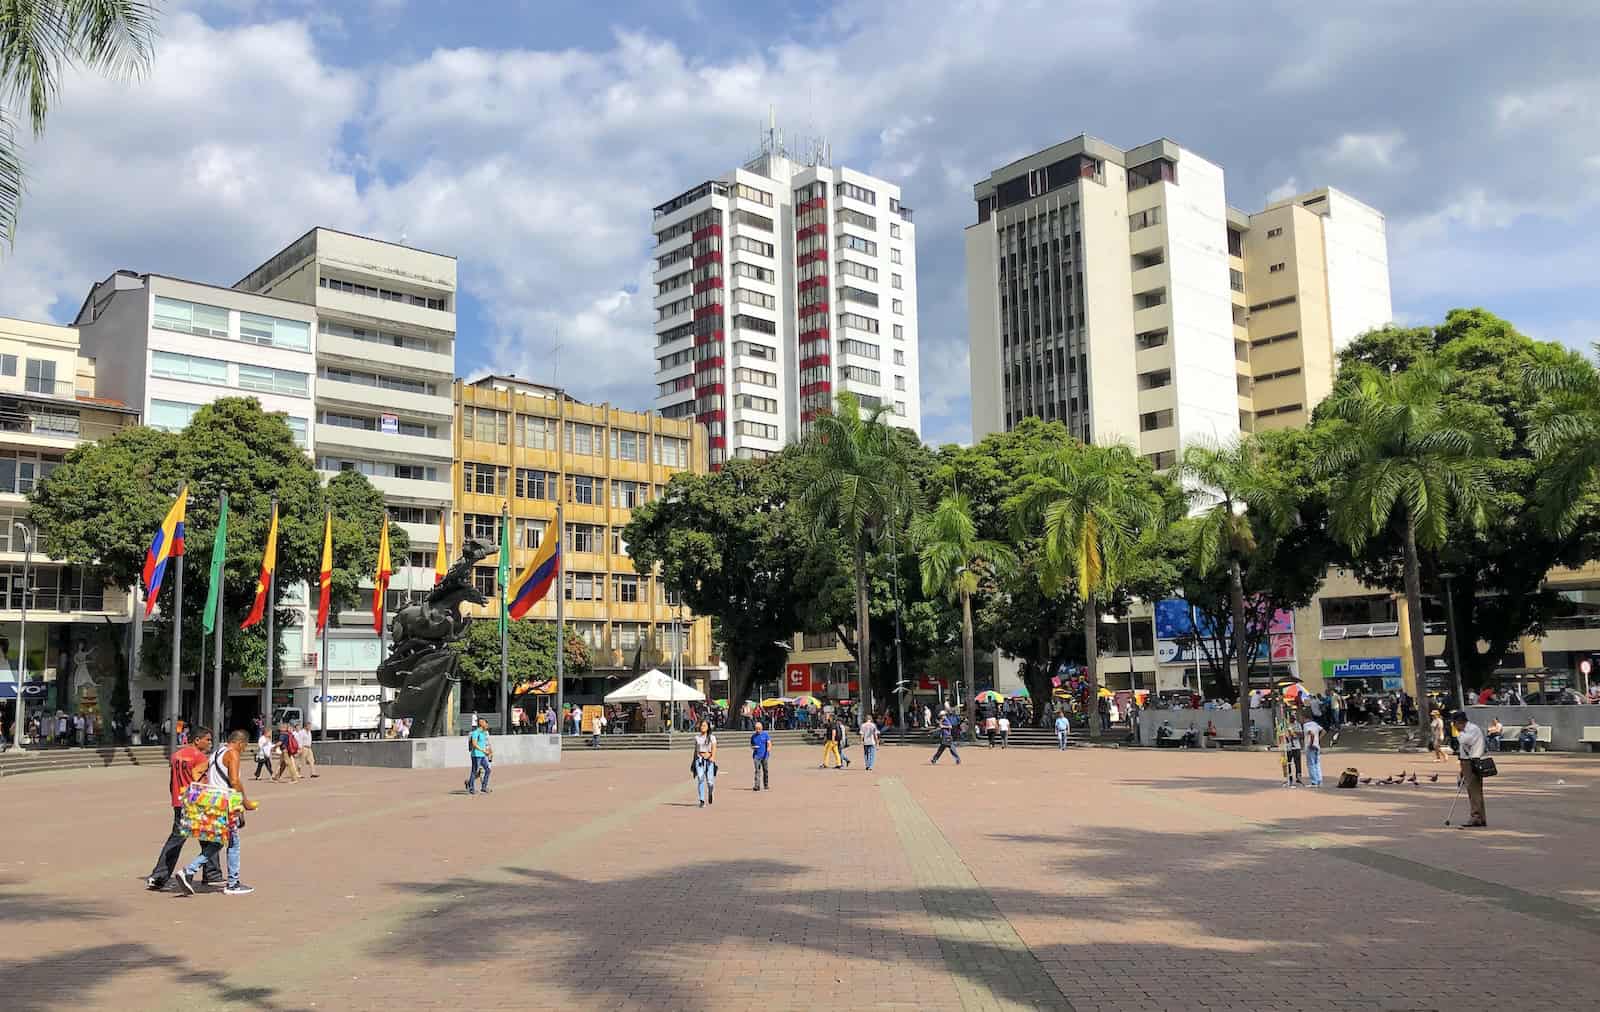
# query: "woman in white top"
{"points": [[705, 764]]}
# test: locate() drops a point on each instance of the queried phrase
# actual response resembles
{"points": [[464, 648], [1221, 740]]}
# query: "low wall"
{"points": [[1566, 723], [438, 753], [1226, 721]]}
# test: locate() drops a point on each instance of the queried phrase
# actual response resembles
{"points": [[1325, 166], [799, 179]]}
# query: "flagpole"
{"points": [[383, 627], [322, 716], [272, 644], [505, 623], [177, 644], [561, 615]]}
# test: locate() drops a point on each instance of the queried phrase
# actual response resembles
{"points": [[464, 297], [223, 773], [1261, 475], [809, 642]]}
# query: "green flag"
{"points": [[219, 552], [505, 571]]}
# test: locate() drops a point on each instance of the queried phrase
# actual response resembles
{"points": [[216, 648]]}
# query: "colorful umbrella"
{"points": [[1106, 693], [806, 701], [1292, 691], [1020, 694], [773, 701], [989, 696], [721, 702]]}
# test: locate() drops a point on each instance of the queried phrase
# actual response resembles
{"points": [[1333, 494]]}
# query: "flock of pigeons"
{"points": [[1402, 778]]}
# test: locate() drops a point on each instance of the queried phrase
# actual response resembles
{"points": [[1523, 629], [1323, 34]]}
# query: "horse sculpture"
{"points": [[420, 666]]}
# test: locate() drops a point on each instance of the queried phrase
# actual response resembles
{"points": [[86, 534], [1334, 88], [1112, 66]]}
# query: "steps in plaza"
{"points": [[14, 763], [1375, 738]]}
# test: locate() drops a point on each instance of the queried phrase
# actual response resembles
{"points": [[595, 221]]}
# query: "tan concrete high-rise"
{"points": [[1116, 290], [523, 444]]}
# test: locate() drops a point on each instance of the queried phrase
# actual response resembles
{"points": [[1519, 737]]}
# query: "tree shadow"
{"points": [[23, 908], [69, 979]]}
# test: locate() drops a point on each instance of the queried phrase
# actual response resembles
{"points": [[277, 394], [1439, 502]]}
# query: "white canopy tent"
{"points": [[656, 686]]}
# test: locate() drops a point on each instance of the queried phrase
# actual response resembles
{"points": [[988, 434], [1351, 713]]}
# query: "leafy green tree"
{"points": [[1564, 434], [951, 557], [857, 483], [736, 547], [1500, 571], [1094, 511], [39, 39], [1231, 493], [103, 504], [1407, 457], [530, 650]]}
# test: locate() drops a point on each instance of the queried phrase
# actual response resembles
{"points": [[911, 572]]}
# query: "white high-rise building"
{"points": [[1116, 291], [778, 287]]}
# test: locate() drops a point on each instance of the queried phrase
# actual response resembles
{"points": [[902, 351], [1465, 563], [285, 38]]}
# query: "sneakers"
{"points": [[152, 884], [182, 875], [238, 889]]}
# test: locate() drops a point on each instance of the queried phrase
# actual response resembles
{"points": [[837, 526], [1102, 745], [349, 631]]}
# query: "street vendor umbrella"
{"points": [[771, 701], [990, 696], [806, 701], [1020, 694], [1293, 691], [721, 702], [655, 686], [1106, 693]]}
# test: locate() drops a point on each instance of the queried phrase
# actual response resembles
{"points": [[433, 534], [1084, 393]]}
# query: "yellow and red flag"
{"points": [[325, 575], [380, 585], [269, 562], [443, 553]]}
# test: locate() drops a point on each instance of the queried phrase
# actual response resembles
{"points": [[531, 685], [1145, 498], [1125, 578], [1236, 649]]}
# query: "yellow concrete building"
{"points": [[520, 445]]}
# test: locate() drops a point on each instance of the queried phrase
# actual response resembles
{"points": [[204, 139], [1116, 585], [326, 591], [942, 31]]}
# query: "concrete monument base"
{"points": [[438, 753]]}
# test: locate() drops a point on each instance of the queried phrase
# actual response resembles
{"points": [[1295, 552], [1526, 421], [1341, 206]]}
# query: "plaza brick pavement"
{"points": [[1098, 879]]}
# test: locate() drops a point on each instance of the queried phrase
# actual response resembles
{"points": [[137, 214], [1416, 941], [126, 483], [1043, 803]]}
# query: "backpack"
{"points": [[291, 744]]}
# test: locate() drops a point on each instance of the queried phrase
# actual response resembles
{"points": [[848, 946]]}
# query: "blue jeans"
{"points": [[208, 852], [480, 764], [1314, 766], [872, 752], [705, 777], [1061, 740], [951, 746]]}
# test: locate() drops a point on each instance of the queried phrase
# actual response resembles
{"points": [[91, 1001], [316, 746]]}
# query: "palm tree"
{"points": [[1564, 433], [950, 555], [1406, 456], [1226, 484], [41, 38], [1092, 514], [859, 482]]}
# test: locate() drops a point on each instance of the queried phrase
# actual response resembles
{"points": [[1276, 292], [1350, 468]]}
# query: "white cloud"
{"points": [[1366, 150], [1284, 190]]}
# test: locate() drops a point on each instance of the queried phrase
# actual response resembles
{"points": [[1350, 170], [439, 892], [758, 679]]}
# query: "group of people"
{"points": [[209, 802], [289, 746]]}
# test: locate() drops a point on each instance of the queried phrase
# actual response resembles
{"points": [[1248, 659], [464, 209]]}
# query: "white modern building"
{"points": [[385, 318], [1116, 291], [779, 286]]}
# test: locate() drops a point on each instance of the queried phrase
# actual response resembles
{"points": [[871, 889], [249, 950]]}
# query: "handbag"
{"points": [[1484, 767]]}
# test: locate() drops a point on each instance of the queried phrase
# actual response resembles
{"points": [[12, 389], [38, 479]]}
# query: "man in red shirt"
{"points": [[188, 764]]}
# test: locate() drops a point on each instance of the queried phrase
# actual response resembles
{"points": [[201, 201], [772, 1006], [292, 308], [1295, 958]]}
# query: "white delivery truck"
{"points": [[352, 710]]}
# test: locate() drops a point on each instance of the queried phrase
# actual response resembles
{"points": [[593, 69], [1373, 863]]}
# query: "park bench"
{"points": [[1223, 740], [1591, 737], [1511, 739], [1175, 741]]}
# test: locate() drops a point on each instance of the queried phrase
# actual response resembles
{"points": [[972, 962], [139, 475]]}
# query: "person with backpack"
{"points": [[288, 748], [844, 740], [830, 747]]}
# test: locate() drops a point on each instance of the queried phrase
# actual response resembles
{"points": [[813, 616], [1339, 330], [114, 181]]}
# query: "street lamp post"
{"points": [[1450, 631], [22, 650]]}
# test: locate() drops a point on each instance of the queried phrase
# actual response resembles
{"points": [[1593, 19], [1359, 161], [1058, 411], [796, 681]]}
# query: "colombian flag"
{"points": [[530, 587], [380, 585], [168, 544], [325, 576], [442, 554], [269, 562]]}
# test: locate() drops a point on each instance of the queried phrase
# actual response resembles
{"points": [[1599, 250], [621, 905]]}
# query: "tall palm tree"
{"points": [[39, 39], [1092, 514], [859, 482], [950, 556], [1564, 433], [1226, 484], [1409, 457]]}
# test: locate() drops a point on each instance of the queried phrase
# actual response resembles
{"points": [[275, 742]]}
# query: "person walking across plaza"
{"points": [[1436, 737], [991, 728], [287, 747], [1005, 731], [305, 757], [1313, 742], [705, 764], [830, 747], [843, 724], [263, 752], [949, 727], [598, 725], [870, 736], [1063, 730], [481, 754], [1470, 744], [187, 765], [215, 814], [760, 753]]}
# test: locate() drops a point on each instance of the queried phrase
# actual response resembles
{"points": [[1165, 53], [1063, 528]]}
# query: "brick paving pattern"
{"points": [[1098, 879]]}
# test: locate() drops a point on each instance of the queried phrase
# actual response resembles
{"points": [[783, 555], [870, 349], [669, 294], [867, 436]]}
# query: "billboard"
{"points": [[797, 679], [1175, 624]]}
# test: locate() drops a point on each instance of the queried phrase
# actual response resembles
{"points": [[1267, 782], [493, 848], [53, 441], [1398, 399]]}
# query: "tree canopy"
{"points": [[530, 650]]}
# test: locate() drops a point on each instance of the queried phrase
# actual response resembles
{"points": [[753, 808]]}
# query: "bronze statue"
{"points": [[420, 665]]}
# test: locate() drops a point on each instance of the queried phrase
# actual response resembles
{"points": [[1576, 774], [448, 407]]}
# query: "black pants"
{"points": [[168, 858], [263, 761]]}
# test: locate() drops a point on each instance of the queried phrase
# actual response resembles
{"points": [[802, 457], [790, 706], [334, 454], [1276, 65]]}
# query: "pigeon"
{"points": [[1366, 780], [1433, 779], [1412, 779], [1386, 780], [1401, 775]]}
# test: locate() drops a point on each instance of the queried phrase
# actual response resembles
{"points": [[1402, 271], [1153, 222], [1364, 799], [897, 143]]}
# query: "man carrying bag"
{"points": [[1475, 765]]}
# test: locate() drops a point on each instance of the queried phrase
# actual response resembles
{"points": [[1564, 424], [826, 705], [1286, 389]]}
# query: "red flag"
{"points": [[325, 579]]}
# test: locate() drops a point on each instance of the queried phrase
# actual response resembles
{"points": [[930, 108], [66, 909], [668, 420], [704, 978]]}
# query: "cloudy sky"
{"points": [[531, 139]]}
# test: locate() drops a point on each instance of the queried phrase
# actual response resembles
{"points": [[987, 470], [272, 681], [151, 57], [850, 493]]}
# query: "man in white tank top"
{"points": [[223, 779]]}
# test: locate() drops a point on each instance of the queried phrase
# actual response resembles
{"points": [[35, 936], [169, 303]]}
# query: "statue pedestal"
{"points": [[438, 753]]}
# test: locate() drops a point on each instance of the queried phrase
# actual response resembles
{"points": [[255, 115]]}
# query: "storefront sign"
{"points": [[797, 678], [1362, 667]]}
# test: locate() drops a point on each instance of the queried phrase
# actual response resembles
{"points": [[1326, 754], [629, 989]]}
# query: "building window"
{"points": [[858, 244], [1155, 379], [1162, 459], [1273, 233], [625, 588], [1276, 268], [485, 425], [760, 430], [190, 318], [894, 230], [755, 376], [625, 494], [533, 484], [274, 381], [900, 408], [861, 375], [586, 587], [754, 350], [385, 294], [269, 330], [537, 433], [483, 579], [585, 538], [896, 281], [1235, 243], [1364, 609], [894, 256], [1280, 374], [899, 332], [8, 365], [368, 379], [583, 440], [169, 416], [530, 532], [483, 479], [850, 346], [1236, 280], [1150, 339], [897, 307], [744, 192], [171, 365], [671, 451], [297, 429], [583, 489], [1274, 304], [855, 192], [1275, 339], [1152, 420], [1144, 219], [485, 526], [899, 382], [750, 219], [750, 402]]}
